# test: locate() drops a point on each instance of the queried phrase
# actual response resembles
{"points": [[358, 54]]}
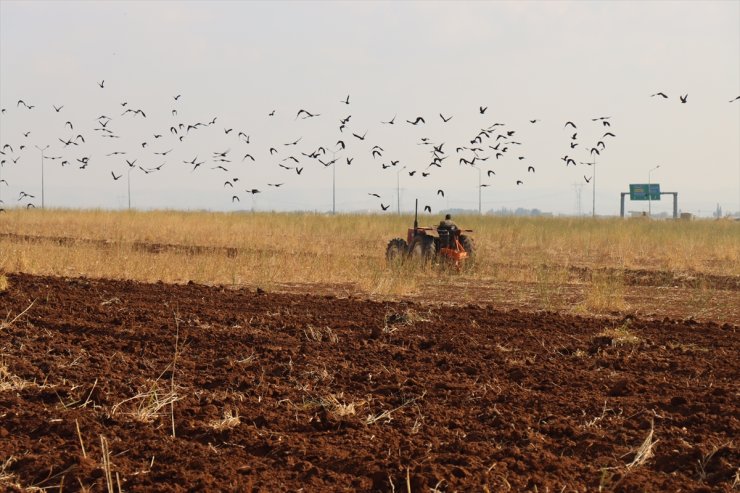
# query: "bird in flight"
{"points": [[416, 122], [177, 97], [101, 83], [307, 113], [346, 101], [482, 109], [392, 120], [374, 195], [662, 95], [683, 98], [491, 172], [428, 209], [530, 169], [533, 121], [57, 109], [569, 123], [441, 192], [445, 119], [587, 179], [361, 137], [384, 207], [115, 178], [732, 100], [519, 182], [233, 198], [295, 142]]}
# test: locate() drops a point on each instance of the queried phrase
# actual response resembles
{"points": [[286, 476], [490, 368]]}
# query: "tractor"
{"points": [[429, 243]]}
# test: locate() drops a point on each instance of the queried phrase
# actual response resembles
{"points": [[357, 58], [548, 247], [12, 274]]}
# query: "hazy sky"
{"points": [[237, 61]]}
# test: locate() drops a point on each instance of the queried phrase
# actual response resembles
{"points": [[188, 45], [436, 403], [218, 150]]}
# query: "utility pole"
{"points": [[593, 204], [480, 191], [578, 187], [398, 190], [650, 209], [42, 149], [129, 187]]}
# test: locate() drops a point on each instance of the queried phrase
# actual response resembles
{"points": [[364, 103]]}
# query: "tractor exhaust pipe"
{"points": [[416, 214]]}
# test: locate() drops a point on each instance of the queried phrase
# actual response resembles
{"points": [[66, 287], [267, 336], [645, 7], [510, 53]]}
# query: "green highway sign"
{"points": [[640, 191]]}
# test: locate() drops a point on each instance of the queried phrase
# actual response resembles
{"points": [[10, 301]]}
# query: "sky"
{"points": [[549, 62]]}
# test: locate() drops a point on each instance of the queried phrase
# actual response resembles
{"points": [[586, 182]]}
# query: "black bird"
{"points": [[272, 113], [248, 156], [308, 114], [412, 173], [683, 98], [157, 136], [114, 175], [374, 195], [482, 109], [24, 194], [376, 153], [163, 153], [298, 171], [570, 123], [294, 142], [227, 130], [30, 206], [530, 169], [573, 145], [26, 134], [427, 209], [484, 185], [229, 184], [346, 101], [444, 120], [21, 102], [57, 109], [490, 172], [234, 197], [662, 95], [533, 121], [276, 185], [384, 207], [732, 100], [587, 179], [606, 123], [177, 97], [391, 121], [441, 192], [273, 151], [361, 137], [101, 83], [519, 182], [131, 163], [609, 134], [416, 122], [425, 174], [573, 137], [349, 160], [595, 150], [246, 137]]}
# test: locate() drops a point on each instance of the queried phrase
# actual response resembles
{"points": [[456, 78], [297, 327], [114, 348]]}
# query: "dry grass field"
{"points": [[577, 265]]}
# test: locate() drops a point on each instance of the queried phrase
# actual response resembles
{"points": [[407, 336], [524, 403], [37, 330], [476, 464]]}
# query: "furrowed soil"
{"points": [[193, 387]]}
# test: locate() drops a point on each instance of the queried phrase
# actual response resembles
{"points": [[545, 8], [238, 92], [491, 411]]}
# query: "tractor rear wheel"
{"points": [[424, 248], [396, 250], [468, 245]]}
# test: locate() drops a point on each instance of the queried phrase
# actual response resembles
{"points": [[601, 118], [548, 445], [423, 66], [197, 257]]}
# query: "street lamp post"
{"points": [[42, 149], [650, 209], [398, 190], [128, 186], [593, 192]]}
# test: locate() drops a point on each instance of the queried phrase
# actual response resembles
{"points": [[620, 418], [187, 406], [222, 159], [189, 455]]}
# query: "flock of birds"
{"points": [[493, 141]]}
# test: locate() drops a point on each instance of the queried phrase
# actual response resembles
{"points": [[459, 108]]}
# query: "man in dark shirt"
{"points": [[445, 229]]}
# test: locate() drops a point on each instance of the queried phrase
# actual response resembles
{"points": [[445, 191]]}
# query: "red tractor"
{"points": [[428, 243]]}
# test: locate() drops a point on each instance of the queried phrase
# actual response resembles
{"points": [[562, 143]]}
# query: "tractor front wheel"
{"points": [[424, 248], [396, 250]]}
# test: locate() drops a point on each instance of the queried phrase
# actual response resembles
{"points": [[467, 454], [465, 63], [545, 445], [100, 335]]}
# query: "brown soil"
{"points": [[337, 394]]}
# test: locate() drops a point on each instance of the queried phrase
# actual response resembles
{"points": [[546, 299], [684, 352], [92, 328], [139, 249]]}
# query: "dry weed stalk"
{"points": [[106, 463], [150, 403], [318, 334], [229, 421], [646, 449], [11, 382], [5, 324]]}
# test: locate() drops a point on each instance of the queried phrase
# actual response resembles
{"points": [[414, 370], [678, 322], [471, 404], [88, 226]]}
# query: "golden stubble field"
{"points": [[602, 266]]}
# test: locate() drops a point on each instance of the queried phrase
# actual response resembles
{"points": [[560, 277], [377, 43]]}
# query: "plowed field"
{"points": [[191, 387]]}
